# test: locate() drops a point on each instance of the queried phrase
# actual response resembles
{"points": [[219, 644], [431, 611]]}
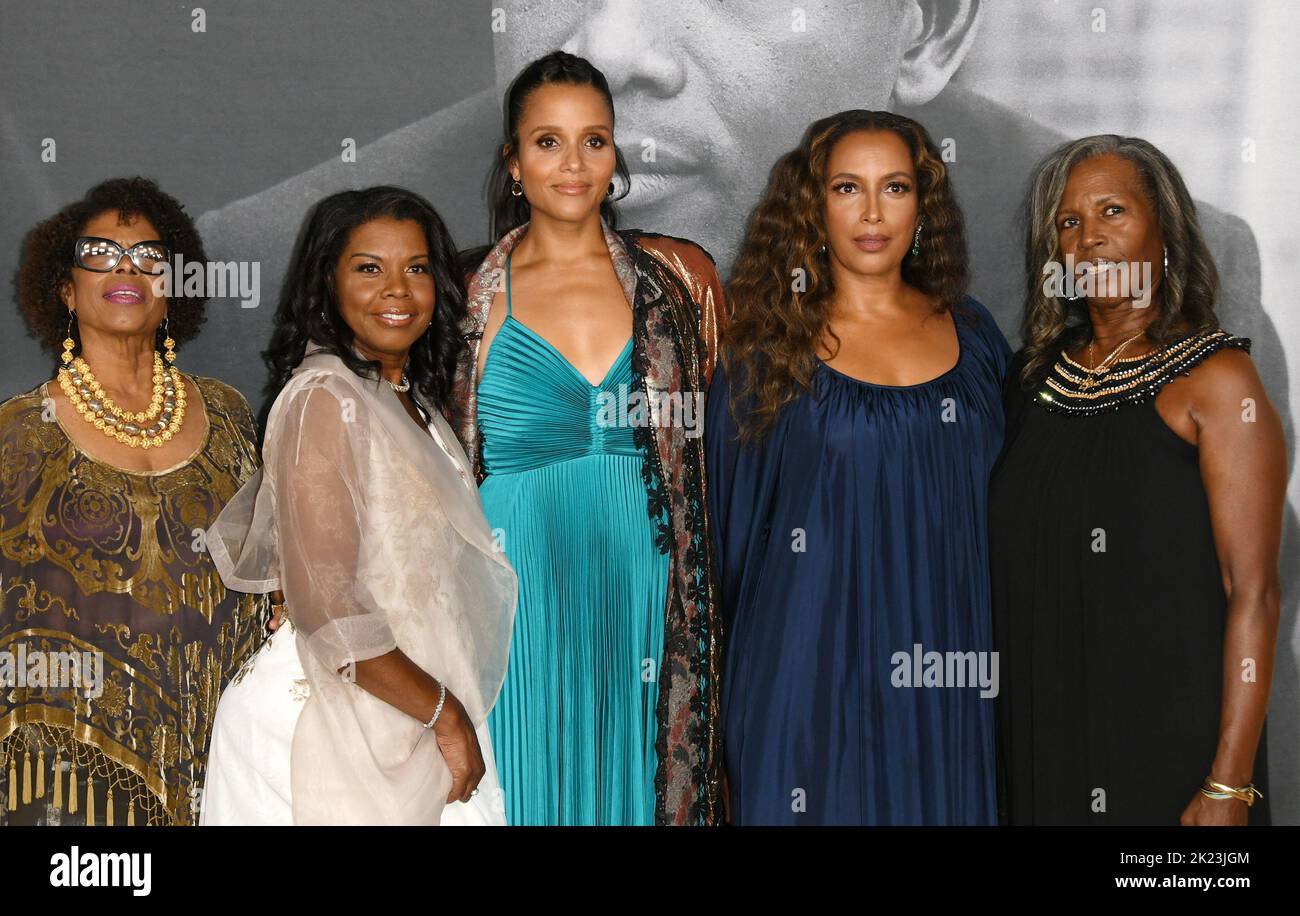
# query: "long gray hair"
{"points": [[1186, 292]]}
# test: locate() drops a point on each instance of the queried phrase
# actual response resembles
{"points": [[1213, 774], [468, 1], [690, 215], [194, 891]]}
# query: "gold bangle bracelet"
{"points": [[1219, 792]]}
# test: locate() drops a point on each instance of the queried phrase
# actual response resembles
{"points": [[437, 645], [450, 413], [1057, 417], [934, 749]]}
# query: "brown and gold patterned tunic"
{"points": [[105, 567]]}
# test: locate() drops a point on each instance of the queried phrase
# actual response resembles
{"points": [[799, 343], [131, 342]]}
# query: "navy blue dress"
{"points": [[854, 583]]}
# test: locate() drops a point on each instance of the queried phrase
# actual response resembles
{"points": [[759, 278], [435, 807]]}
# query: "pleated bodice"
{"points": [[536, 409]]}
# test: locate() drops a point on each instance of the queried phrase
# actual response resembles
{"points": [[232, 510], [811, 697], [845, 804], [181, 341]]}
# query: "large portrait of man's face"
{"points": [[709, 94]]}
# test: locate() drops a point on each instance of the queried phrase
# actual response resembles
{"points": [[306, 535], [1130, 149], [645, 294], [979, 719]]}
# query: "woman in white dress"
{"points": [[368, 705]]}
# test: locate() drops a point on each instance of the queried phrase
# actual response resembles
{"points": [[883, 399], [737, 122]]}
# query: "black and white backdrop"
{"points": [[251, 110]]}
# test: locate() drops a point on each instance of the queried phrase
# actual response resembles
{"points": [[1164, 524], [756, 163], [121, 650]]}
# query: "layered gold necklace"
{"points": [[1077, 390], [149, 428]]}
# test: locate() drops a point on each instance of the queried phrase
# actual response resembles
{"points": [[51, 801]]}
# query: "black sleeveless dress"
{"points": [[1108, 604]]}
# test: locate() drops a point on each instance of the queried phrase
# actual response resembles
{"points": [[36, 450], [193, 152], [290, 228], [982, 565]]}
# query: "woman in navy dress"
{"points": [[851, 430]]}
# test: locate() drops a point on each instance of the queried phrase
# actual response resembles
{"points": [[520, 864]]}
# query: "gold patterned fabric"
{"points": [[113, 564]]}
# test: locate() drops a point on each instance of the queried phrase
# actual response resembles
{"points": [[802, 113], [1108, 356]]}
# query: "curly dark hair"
{"points": [[309, 306], [1186, 291], [775, 331], [45, 264]]}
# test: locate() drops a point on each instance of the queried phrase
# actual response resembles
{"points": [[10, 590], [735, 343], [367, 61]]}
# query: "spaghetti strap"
{"points": [[564, 488], [508, 285]]}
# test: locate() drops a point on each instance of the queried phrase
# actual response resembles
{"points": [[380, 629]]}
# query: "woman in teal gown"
{"points": [[608, 714], [564, 493]]}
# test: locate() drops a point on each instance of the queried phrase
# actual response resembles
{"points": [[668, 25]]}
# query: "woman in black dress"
{"points": [[1135, 514]]}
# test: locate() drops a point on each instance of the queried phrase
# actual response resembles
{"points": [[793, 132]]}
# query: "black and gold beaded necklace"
{"points": [[1075, 390]]}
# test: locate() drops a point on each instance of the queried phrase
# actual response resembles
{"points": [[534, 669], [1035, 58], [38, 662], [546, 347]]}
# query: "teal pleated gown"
{"points": [[574, 727]]}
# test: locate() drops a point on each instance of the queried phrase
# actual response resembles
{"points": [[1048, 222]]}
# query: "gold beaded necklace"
{"points": [[1133, 379], [149, 428]]}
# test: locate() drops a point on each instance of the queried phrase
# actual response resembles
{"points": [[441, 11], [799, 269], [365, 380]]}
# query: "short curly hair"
{"points": [[45, 264]]}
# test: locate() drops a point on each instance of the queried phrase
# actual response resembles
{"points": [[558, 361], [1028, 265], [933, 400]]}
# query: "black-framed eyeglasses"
{"points": [[103, 255]]}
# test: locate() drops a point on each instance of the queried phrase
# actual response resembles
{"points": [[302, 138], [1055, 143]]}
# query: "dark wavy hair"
{"points": [[770, 348], [309, 306], [45, 263], [1187, 290], [505, 211]]}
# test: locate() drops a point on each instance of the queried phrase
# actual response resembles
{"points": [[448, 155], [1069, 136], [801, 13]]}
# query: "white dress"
{"points": [[248, 779], [375, 533]]}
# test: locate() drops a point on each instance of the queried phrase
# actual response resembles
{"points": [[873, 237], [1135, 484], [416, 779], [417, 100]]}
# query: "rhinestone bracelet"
{"points": [[442, 696]]}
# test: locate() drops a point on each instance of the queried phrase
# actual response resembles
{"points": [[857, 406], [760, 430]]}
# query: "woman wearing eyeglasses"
{"points": [[116, 633]]}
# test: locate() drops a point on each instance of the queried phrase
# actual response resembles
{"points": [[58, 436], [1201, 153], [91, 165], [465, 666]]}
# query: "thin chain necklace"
{"points": [[149, 428], [1100, 369]]}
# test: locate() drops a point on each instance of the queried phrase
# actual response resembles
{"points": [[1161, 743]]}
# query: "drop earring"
{"points": [[169, 345], [516, 188], [916, 240], [1166, 267], [68, 342]]}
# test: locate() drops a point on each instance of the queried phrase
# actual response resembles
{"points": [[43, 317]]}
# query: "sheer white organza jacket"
{"points": [[375, 532]]}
